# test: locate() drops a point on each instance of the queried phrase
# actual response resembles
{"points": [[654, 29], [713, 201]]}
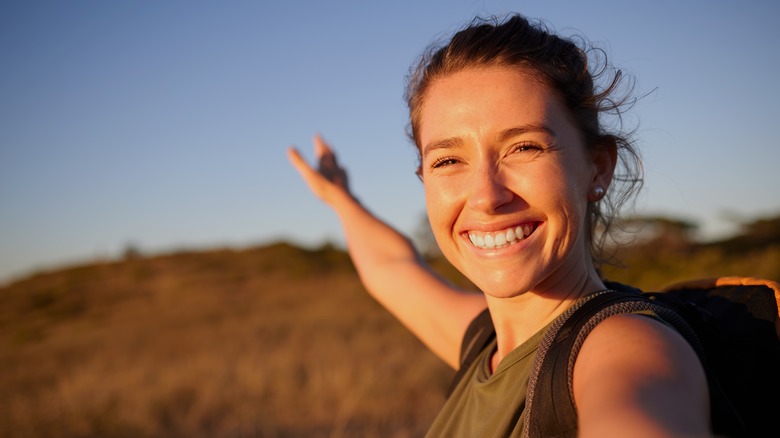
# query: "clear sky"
{"points": [[164, 124]]}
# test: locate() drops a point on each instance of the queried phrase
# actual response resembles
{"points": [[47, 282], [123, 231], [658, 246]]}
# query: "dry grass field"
{"points": [[268, 342], [273, 341]]}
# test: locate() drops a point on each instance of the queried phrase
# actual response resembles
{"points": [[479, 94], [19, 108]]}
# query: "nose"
{"points": [[489, 191]]}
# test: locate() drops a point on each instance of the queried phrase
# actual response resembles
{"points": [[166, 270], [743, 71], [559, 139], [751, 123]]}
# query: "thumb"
{"points": [[298, 162], [313, 178]]}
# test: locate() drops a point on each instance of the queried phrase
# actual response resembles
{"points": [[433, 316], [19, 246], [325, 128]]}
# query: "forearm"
{"points": [[396, 275], [377, 249]]}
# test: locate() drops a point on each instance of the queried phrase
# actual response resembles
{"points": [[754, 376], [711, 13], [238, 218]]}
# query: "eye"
{"points": [[443, 162], [526, 147]]}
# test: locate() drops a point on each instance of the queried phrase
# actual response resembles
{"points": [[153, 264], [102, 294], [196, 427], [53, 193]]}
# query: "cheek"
{"points": [[577, 188], [572, 198], [434, 204], [441, 206], [580, 169], [558, 192]]}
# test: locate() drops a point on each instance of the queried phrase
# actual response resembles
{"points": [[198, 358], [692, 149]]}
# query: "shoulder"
{"points": [[637, 335], [636, 370]]}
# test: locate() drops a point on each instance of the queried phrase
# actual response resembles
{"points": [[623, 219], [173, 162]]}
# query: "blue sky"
{"points": [[164, 124]]}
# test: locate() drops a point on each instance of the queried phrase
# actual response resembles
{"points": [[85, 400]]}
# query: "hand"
{"points": [[329, 179]]}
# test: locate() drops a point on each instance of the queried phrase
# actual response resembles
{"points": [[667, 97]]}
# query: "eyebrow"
{"points": [[502, 136], [446, 143], [519, 130]]}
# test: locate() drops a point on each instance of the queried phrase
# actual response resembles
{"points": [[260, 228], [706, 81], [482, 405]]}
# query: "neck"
{"points": [[518, 318]]}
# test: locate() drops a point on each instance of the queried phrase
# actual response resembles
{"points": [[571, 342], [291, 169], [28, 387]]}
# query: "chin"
{"points": [[499, 284]]}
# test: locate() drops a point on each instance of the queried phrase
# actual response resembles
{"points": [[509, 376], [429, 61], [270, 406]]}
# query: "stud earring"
{"points": [[598, 193]]}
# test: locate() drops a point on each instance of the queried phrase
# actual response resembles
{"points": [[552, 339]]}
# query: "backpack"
{"points": [[732, 323]]}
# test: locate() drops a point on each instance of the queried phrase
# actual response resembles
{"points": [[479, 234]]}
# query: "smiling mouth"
{"points": [[502, 238]]}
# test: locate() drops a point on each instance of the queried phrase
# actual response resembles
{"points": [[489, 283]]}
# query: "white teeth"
{"points": [[502, 238], [510, 235]]}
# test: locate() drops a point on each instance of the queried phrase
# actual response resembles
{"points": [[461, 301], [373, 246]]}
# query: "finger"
{"points": [[317, 182], [295, 157], [299, 163], [327, 159], [321, 147]]}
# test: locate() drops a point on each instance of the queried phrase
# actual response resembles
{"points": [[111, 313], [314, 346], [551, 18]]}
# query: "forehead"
{"points": [[489, 98]]}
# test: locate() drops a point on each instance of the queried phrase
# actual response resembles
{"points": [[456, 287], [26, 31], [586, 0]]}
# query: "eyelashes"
{"points": [[520, 148], [443, 161], [526, 147]]}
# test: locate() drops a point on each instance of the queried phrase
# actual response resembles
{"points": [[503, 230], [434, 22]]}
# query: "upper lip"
{"points": [[496, 226]]}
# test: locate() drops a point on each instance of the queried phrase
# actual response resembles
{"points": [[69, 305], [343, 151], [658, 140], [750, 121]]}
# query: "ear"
{"points": [[604, 162]]}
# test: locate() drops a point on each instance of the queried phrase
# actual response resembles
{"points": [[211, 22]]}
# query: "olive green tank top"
{"points": [[489, 405], [493, 405]]}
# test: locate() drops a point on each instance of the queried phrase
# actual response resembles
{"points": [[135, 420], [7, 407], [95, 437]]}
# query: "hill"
{"points": [[272, 341], [663, 251], [275, 341]]}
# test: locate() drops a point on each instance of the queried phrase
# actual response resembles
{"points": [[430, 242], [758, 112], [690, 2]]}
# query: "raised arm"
{"points": [[390, 268]]}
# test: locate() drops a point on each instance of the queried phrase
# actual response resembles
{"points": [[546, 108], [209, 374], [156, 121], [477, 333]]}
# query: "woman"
{"points": [[517, 168]]}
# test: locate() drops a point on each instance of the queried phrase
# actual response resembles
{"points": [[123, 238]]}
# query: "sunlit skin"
{"points": [[500, 150]]}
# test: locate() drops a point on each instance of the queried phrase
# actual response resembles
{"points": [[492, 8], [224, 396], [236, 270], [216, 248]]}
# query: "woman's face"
{"points": [[507, 178]]}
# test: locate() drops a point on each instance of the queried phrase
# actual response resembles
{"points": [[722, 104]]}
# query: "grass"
{"points": [[269, 342], [274, 341]]}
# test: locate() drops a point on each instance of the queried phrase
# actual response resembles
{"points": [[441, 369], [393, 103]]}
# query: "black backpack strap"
{"points": [[550, 410], [478, 334]]}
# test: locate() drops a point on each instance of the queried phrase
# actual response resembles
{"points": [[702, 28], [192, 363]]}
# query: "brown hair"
{"points": [[561, 63]]}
